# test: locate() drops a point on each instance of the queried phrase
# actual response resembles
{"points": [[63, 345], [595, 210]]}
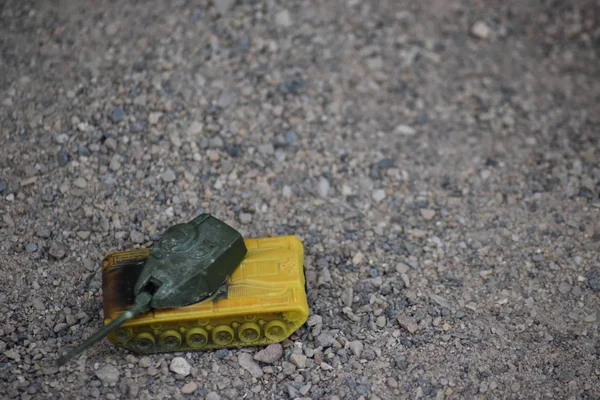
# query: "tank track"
{"points": [[206, 334]]}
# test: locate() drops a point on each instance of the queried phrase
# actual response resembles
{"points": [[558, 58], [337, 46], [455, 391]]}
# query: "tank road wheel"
{"points": [[222, 335], [275, 330], [170, 340], [144, 342], [292, 316], [196, 338], [123, 335], [249, 332]]}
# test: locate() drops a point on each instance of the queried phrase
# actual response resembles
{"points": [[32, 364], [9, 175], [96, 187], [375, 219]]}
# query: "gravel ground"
{"points": [[439, 159]]}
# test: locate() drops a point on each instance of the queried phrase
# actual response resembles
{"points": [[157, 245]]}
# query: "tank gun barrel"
{"points": [[142, 305]]}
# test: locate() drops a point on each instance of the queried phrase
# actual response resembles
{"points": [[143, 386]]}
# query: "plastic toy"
{"points": [[202, 286]]}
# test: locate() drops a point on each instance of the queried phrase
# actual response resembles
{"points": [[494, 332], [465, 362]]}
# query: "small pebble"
{"points": [[83, 235], [189, 388], [62, 138], [405, 130], [246, 361], [357, 347], [110, 143], [245, 218], [180, 366], [145, 362], [481, 30], [195, 128], [154, 117], [223, 6], [57, 250], [323, 187], [283, 19], [83, 151], [314, 319], [593, 278], [287, 191], [427, 214], [108, 374], [136, 237], [80, 183], [221, 353], [269, 354], [168, 176], [299, 360], [62, 157], [266, 149], [378, 195], [213, 396], [408, 323], [30, 247], [116, 115]]}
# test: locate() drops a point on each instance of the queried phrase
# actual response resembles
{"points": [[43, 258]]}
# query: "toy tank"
{"points": [[262, 302]]}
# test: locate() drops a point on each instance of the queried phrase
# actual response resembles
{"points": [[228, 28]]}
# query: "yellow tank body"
{"points": [[263, 302]]}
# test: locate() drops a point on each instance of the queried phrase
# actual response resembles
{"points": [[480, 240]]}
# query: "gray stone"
{"points": [[62, 157], [80, 183], [221, 353], [347, 296], [223, 6], [3, 186], [402, 268], [593, 278], [283, 18], [13, 354], [405, 130], [136, 237], [290, 137], [60, 326], [314, 319], [189, 388], [180, 366], [83, 235], [357, 347], [269, 354], [195, 128], [378, 195], [83, 151], [325, 340], [287, 191], [407, 323], [227, 99], [145, 362], [110, 143], [441, 301], [288, 368], [57, 250], [266, 149], [481, 30], [323, 187], [108, 374], [169, 176], [246, 361], [30, 247], [62, 138], [299, 360], [116, 115], [245, 218], [427, 214], [115, 163], [564, 287], [213, 396], [215, 142], [38, 304]]}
